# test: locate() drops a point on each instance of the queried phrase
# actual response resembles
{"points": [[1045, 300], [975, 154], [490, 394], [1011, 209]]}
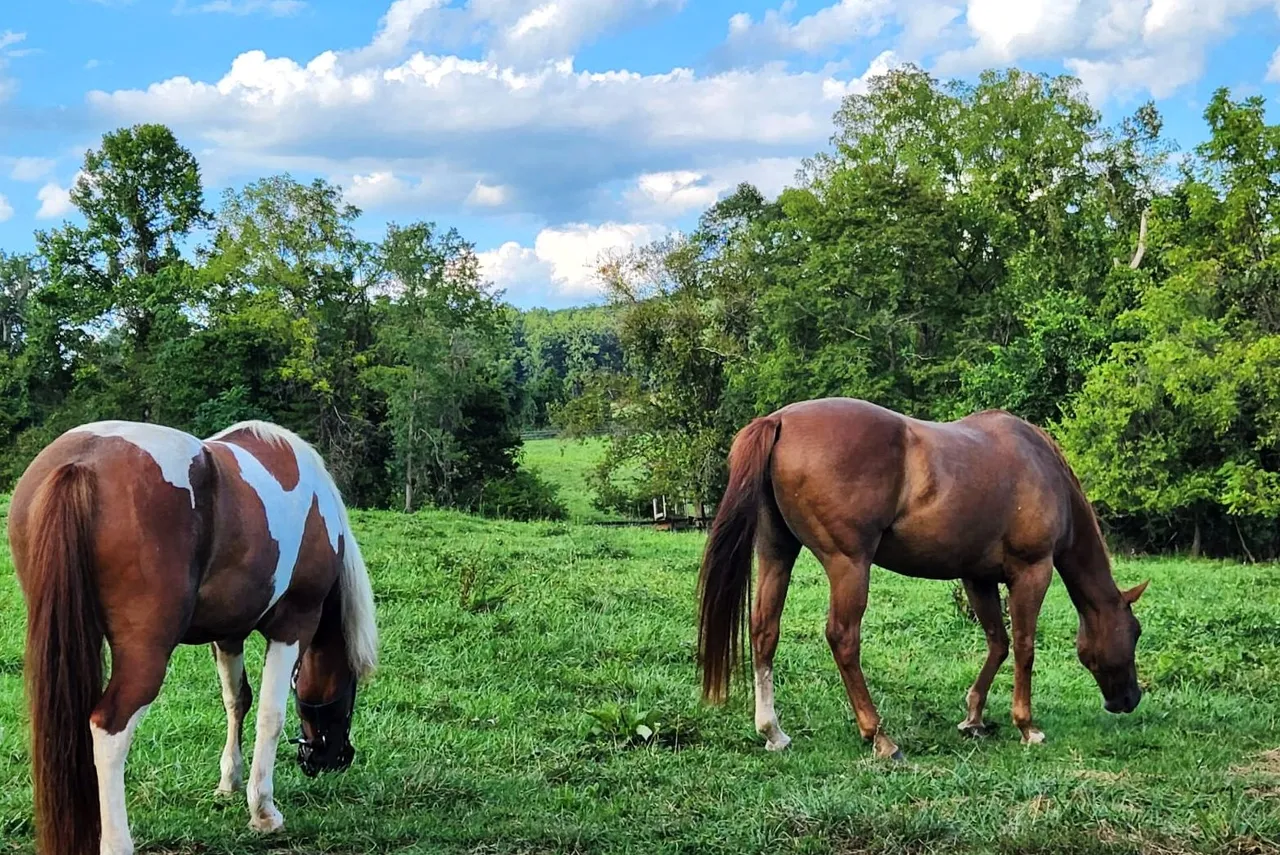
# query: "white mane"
{"points": [[359, 627]]}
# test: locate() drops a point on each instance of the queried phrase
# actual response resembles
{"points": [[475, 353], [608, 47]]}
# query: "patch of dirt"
{"points": [[1265, 764]]}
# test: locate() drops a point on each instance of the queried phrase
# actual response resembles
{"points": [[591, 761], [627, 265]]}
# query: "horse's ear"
{"points": [[1131, 595]]}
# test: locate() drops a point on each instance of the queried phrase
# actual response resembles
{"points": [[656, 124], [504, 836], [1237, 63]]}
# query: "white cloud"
{"points": [[516, 32], [273, 8], [836, 90], [488, 195], [1117, 47], [551, 136], [833, 26], [55, 200], [1273, 68], [6, 210], [563, 260], [8, 39], [667, 195], [29, 168]]}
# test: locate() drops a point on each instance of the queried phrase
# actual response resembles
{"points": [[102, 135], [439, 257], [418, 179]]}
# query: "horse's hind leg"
{"points": [[136, 675], [276, 676], [237, 697], [850, 576], [776, 549], [985, 599]]}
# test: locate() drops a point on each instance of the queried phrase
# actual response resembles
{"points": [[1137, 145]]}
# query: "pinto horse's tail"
{"points": [[63, 661], [724, 584]]}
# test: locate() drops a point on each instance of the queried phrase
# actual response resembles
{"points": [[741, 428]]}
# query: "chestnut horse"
{"points": [[988, 499], [148, 538]]}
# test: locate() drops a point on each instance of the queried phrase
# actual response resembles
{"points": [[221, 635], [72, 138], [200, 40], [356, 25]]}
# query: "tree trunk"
{"points": [[408, 466], [1195, 541]]}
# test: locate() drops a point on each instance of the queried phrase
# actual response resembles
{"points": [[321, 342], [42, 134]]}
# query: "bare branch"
{"points": [[1136, 261]]}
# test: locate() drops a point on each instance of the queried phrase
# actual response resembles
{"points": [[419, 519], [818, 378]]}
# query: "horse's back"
{"points": [[149, 526], [934, 499], [837, 470], [279, 541]]}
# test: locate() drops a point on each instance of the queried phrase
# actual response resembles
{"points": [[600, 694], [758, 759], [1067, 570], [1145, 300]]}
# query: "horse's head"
{"points": [[325, 744], [1106, 644]]}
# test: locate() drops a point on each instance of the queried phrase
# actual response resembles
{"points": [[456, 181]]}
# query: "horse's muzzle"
{"points": [[313, 761], [1126, 703]]}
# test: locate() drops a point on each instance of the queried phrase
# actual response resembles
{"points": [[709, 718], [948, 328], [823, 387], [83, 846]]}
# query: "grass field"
{"points": [[499, 638], [566, 464]]}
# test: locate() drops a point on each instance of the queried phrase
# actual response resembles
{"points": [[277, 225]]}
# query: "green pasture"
{"points": [[500, 641]]}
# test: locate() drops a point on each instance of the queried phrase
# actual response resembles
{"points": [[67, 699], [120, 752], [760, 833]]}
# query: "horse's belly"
{"points": [[933, 558]]}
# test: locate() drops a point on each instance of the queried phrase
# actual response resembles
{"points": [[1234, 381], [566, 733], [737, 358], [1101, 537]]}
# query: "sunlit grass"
{"points": [[475, 734]]}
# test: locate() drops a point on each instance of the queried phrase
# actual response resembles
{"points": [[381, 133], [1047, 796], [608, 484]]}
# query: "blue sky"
{"points": [[549, 131]]}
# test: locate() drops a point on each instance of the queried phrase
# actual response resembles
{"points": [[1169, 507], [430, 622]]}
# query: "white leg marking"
{"points": [[276, 675], [766, 718], [110, 750], [231, 672]]}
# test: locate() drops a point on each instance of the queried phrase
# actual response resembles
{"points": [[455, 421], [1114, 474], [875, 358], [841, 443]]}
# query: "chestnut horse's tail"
{"points": [[724, 584], [63, 661]]}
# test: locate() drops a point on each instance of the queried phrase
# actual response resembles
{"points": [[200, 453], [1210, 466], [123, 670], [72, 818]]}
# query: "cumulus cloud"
{"points": [[29, 168], [1273, 68], [1117, 47], [562, 261], [551, 136], [55, 200], [488, 195], [833, 26], [6, 210], [671, 194], [8, 39], [513, 31]]}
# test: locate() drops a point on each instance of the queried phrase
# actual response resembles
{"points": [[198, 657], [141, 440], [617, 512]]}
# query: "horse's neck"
{"points": [[1085, 566]]}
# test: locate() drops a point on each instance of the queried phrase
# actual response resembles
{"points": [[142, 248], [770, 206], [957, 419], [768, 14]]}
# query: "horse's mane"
{"points": [[359, 627], [1082, 498]]}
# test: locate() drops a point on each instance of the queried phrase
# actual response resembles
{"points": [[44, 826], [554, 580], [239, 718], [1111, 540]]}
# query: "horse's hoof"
{"points": [[1032, 737], [778, 743], [267, 822], [898, 756], [975, 731], [226, 791]]}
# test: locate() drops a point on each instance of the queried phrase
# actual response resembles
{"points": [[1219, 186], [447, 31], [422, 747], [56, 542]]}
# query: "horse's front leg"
{"points": [[276, 676], [984, 597], [849, 577], [1027, 586]]}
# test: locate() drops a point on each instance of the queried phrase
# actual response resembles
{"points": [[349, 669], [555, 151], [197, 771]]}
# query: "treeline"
{"points": [[963, 247], [958, 247], [392, 357]]}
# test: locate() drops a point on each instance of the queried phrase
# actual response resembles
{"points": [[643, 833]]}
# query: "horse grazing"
{"points": [[986, 499], [148, 538]]}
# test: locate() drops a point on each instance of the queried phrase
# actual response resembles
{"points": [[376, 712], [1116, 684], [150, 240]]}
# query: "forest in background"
{"points": [[959, 246]]}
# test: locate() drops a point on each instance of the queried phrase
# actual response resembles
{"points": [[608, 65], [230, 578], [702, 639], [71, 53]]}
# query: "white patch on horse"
{"points": [[171, 449], [766, 718], [287, 510], [277, 675], [231, 672], [110, 750]]}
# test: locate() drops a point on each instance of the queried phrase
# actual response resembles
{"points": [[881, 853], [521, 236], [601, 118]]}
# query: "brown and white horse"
{"points": [[149, 538], [988, 499]]}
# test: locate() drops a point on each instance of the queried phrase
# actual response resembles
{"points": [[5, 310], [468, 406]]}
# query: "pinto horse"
{"points": [[987, 499], [148, 538]]}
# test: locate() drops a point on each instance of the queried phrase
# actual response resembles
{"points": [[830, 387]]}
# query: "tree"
{"points": [[141, 198], [452, 421]]}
